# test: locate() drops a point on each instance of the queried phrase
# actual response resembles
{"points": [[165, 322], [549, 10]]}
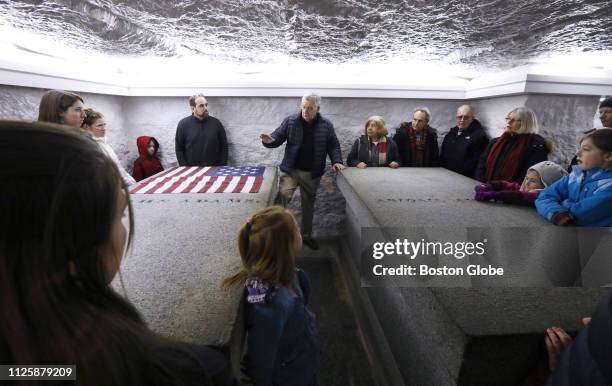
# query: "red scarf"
{"points": [[417, 147], [382, 150], [511, 165]]}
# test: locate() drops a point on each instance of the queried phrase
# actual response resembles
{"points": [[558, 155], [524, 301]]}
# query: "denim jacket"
{"points": [[283, 346]]}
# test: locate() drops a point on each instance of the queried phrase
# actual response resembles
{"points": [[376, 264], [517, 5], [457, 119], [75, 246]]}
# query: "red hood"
{"points": [[142, 143]]}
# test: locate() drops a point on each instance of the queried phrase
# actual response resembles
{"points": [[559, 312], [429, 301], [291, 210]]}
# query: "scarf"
{"points": [[511, 164], [417, 146], [382, 150]]}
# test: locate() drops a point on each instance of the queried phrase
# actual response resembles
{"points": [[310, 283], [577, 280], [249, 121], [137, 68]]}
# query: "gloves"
{"points": [[485, 192], [562, 218], [504, 185], [485, 195], [483, 188]]}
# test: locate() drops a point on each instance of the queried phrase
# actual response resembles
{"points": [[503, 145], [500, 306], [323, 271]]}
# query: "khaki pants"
{"points": [[308, 191]]}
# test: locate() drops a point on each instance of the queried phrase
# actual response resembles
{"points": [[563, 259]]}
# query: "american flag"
{"points": [[206, 179]]}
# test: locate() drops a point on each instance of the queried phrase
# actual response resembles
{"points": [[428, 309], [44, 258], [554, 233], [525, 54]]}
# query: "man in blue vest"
{"points": [[310, 139]]}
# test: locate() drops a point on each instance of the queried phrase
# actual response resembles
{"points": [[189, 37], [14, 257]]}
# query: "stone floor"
{"points": [[344, 360]]}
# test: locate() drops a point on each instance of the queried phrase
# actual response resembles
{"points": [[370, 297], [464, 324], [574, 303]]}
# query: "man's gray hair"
{"points": [[193, 98], [312, 98], [423, 110], [470, 107]]}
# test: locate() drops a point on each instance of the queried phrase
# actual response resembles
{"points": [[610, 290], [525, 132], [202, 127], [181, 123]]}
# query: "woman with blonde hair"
{"points": [[95, 123], [509, 156], [282, 342], [374, 147]]}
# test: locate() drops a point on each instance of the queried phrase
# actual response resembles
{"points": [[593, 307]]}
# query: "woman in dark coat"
{"points": [[509, 156], [374, 147]]}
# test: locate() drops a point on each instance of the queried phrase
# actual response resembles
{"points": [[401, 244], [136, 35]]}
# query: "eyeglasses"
{"points": [[464, 117]]}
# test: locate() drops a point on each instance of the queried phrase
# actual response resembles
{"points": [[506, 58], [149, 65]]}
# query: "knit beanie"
{"points": [[606, 103], [549, 172]]}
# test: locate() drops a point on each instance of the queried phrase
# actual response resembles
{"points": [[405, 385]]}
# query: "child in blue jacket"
{"points": [[583, 197], [283, 345]]}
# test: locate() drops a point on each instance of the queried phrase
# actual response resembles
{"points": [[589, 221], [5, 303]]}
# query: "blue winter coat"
{"points": [[586, 195], [283, 346], [325, 142]]}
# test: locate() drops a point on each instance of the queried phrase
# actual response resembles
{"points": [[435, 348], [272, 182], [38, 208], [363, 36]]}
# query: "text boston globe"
{"points": [[412, 249]]}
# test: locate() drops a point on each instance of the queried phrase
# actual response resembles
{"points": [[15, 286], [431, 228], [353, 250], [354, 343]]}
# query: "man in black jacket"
{"points": [[416, 141], [200, 139], [464, 143], [310, 139]]}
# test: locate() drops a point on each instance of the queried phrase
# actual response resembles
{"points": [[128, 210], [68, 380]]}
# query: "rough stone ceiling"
{"points": [[474, 35]]}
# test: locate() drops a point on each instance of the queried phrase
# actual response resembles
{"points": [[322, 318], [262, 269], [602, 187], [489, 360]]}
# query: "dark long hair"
{"points": [[58, 201], [55, 102]]}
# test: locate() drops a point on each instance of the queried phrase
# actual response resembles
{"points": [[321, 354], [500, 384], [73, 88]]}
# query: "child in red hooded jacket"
{"points": [[147, 164]]}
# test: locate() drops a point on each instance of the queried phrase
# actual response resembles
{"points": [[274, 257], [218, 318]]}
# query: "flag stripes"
{"points": [[207, 179]]}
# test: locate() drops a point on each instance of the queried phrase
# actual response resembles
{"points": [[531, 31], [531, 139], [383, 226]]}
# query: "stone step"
{"points": [[345, 362]]}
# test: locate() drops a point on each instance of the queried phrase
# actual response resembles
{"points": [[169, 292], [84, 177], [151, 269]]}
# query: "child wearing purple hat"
{"points": [[538, 177]]}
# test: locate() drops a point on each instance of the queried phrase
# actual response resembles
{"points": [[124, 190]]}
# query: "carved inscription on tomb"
{"points": [[428, 199]]}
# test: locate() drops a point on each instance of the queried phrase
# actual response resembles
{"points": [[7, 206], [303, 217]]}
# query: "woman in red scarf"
{"points": [[509, 156], [374, 148]]}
